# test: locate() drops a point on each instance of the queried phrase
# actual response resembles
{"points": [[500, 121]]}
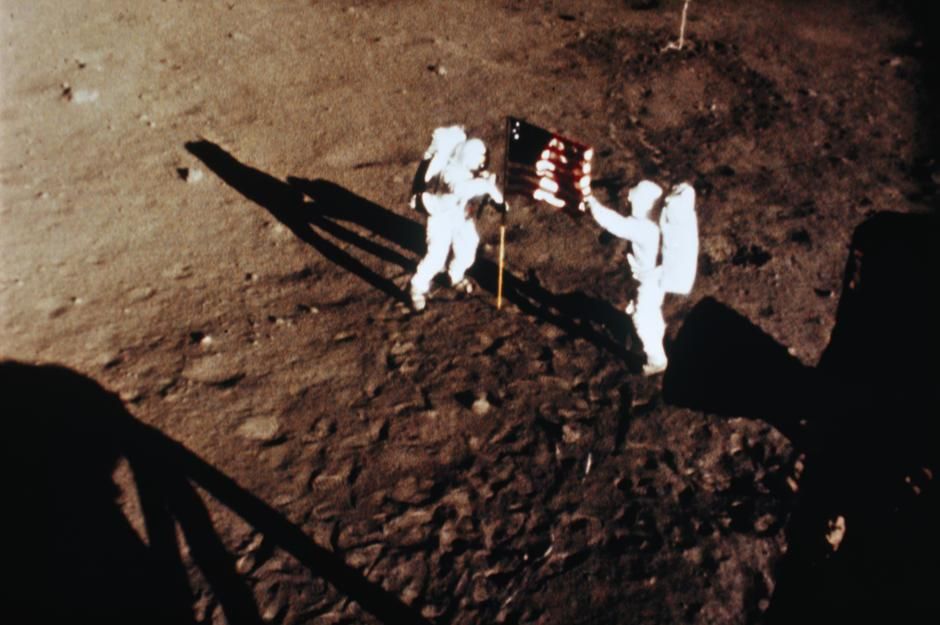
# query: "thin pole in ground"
{"points": [[677, 45]]}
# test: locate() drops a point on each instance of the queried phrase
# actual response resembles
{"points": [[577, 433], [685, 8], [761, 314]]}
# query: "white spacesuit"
{"points": [[678, 231], [453, 178]]}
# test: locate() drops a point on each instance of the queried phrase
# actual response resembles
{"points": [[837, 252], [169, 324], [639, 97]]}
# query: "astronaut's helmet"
{"points": [[643, 197], [472, 154]]}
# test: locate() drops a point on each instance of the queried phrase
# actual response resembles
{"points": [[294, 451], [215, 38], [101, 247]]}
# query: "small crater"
{"points": [[800, 236], [751, 256]]}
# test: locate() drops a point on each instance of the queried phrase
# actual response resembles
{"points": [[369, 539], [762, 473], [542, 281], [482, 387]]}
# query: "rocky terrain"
{"points": [[223, 409]]}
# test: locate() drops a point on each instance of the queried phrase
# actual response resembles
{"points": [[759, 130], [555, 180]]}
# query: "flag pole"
{"points": [[502, 256], [502, 224]]}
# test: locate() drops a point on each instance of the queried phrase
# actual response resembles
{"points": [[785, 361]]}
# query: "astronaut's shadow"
{"points": [[315, 208], [310, 222]]}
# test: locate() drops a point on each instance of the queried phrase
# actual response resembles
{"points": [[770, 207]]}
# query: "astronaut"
{"points": [[453, 176], [675, 236]]}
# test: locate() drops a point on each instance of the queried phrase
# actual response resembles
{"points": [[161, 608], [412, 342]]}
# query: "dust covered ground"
{"points": [[220, 409]]}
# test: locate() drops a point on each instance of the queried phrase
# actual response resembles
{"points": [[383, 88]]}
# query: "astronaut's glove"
{"points": [[586, 197], [589, 203]]}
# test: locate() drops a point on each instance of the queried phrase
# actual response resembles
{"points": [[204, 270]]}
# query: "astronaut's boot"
{"points": [[418, 300], [464, 286], [655, 365]]}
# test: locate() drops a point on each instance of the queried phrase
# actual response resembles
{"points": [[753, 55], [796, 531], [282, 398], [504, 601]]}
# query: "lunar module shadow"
{"points": [[79, 558], [864, 417]]}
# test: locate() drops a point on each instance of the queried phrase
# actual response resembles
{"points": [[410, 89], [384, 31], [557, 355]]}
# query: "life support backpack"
{"points": [[679, 226], [444, 144]]}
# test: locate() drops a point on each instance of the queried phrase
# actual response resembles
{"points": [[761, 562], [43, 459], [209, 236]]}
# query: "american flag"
{"points": [[546, 166]]}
